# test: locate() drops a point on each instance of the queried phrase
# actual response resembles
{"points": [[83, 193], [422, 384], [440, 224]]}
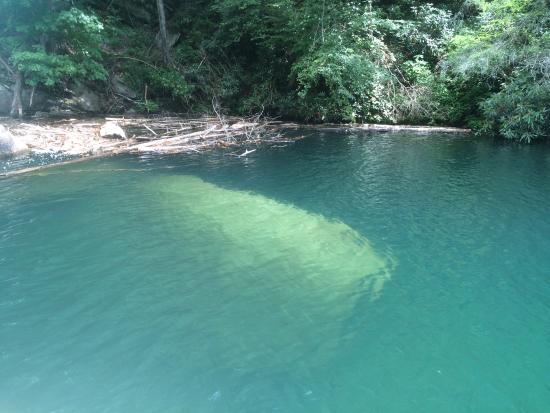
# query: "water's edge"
{"points": [[282, 127]]}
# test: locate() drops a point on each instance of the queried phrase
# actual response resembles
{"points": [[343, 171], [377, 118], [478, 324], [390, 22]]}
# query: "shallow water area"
{"points": [[344, 272], [31, 160]]}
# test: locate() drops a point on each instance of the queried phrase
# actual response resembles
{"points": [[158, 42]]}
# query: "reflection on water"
{"points": [[343, 273]]}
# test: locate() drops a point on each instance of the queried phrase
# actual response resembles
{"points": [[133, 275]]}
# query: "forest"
{"points": [[479, 64]]}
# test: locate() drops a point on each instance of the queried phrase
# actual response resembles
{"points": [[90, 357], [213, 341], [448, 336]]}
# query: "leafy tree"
{"points": [[47, 42], [508, 50], [484, 63]]}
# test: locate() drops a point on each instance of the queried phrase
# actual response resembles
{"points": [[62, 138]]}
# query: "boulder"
{"points": [[87, 100], [120, 88], [9, 144], [112, 130], [83, 99]]}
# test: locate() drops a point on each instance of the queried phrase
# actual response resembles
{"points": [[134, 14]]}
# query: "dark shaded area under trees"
{"points": [[476, 63]]}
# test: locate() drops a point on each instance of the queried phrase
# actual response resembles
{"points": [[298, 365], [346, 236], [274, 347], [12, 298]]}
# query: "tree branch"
{"points": [[136, 59], [7, 66]]}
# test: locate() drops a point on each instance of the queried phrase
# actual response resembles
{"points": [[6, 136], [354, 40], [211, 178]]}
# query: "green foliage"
{"points": [[48, 69], [353, 69], [426, 32], [521, 110], [481, 63], [335, 83], [170, 81], [149, 106], [508, 50], [424, 97], [49, 42]]}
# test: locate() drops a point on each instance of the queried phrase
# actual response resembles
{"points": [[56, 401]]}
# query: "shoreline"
{"points": [[81, 138]]}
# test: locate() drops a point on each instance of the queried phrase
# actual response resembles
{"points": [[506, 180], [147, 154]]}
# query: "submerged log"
{"points": [[374, 127]]}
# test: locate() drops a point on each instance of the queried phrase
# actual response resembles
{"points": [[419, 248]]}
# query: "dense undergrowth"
{"points": [[476, 63]]}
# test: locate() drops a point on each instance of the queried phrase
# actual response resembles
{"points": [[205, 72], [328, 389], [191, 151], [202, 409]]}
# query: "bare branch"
{"points": [[7, 66]]}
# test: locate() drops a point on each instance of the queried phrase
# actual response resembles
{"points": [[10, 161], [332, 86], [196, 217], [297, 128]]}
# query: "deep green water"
{"points": [[343, 273]]}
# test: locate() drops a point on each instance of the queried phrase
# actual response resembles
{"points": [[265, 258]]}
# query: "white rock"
{"points": [[9, 144], [112, 130]]}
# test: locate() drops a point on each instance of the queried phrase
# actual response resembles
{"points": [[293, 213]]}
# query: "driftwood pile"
{"points": [[174, 135], [156, 135]]}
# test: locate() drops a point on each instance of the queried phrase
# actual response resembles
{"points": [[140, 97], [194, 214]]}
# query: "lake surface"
{"points": [[345, 272]]}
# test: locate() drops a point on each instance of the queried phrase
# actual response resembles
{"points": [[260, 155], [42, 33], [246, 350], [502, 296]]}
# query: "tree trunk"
{"points": [[163, 34], [6, 66], [16, 104], [32, 96]]}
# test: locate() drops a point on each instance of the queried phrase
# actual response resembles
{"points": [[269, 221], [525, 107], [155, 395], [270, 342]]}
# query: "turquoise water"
{"points": [[341, 273]]}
